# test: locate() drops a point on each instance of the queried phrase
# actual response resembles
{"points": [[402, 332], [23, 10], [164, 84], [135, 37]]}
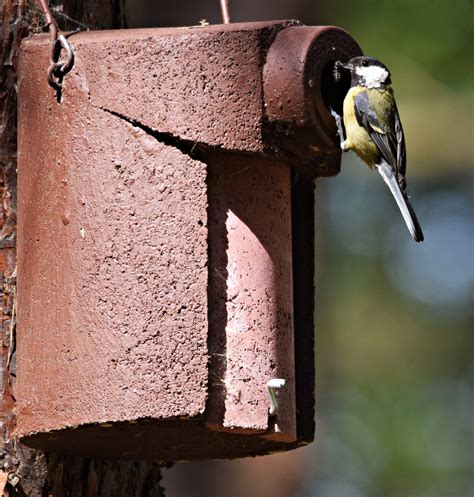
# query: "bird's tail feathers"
{"points": [[401, 198]]}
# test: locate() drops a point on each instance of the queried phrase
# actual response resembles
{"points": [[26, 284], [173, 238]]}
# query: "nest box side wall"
{"points": [[157, 220]]}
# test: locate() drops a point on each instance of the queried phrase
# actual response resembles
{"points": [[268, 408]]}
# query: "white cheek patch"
{"points": [[373, 76]]}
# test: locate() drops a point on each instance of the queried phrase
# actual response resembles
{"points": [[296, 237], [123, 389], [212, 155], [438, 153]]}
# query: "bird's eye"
{"points": [[365, 63]]}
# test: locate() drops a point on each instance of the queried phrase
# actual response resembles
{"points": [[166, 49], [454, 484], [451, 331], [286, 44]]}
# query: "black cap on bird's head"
{"points": [[366, 71]]}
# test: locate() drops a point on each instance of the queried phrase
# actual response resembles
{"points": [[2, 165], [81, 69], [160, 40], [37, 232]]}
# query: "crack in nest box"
{"points": [[188, 147]]}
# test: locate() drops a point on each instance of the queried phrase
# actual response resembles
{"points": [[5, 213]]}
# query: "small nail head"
{"points": [[276, 383]]}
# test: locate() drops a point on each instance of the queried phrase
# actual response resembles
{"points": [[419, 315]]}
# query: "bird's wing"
{"points": [[382, 122], [401, 150], [388, 174]]}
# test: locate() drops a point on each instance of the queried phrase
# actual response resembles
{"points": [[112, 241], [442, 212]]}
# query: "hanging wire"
{"points": [[57, 68], [225, 11]]}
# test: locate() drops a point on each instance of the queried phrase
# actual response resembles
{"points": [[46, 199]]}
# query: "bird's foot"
{"points": [[340, 126]]}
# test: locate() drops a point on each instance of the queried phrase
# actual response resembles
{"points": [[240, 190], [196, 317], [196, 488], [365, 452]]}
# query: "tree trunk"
{"points": [[25, 472]]}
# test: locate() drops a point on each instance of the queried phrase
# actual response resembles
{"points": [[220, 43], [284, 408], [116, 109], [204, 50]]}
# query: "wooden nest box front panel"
{"points": [[165, 245]]}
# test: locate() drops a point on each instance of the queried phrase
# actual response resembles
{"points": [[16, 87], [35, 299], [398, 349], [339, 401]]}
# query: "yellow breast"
{"points": [[358, 139]]}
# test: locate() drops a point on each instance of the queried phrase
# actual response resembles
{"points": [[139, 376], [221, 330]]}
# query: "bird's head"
{"points": [[366, 71]]}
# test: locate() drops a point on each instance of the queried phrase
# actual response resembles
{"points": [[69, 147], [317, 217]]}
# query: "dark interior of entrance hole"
{"points": [[334, 90]]}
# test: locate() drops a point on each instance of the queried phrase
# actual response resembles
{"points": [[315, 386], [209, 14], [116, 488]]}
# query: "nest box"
{"points": [[165, 243]]}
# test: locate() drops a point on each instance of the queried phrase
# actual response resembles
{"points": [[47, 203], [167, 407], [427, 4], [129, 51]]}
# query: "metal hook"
{"points": [[272, 386], [57, 68], [69, 62], [54, 80]]}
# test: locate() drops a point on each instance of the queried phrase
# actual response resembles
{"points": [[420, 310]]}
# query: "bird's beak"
{"points": [[346, 65]]}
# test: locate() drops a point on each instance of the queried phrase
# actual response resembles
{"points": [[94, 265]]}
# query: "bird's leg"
{"points": [[340, 128]]}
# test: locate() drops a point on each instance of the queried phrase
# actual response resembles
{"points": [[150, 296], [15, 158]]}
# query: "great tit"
{"points": [[374, 131]]}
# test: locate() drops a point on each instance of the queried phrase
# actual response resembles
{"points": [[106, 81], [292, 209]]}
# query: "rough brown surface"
{"points": [[15, 460], [298, 89], [28, 471], [156, 226], [104, 477], [253, 87], [113, 240], [251, 293], [177, 78]]}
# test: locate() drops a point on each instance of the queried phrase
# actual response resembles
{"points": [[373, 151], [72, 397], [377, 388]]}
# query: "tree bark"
{"points": [[26, 472]]}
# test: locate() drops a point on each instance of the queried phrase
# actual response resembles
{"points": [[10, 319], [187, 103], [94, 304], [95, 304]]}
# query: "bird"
{"points": [[373, 129]]}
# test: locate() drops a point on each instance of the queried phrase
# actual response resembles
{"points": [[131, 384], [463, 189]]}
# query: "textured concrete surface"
{"points": [[298, 89], [156, 231], [112, 255], [173, 79], [251, 293]]}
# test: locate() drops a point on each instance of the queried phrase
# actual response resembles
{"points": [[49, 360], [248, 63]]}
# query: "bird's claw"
{"points": [[340, 128], [334, 114]]}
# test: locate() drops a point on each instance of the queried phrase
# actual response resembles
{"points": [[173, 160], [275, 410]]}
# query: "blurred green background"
{"points": [[394, 318]]}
